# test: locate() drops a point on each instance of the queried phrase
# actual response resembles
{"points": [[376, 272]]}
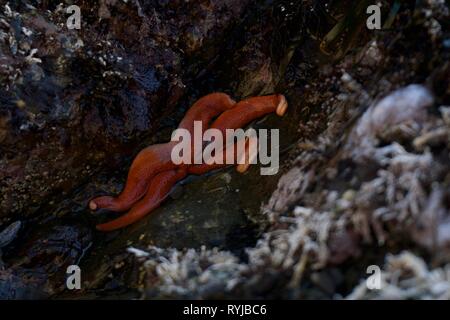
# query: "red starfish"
{"points": [[153, 174], [157, 158]]}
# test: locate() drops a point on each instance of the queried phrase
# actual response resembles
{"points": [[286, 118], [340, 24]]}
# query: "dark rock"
{"points": [[36, 268]]}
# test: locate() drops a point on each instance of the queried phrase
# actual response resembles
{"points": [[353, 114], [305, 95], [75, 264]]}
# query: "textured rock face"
{"points": [[71, 101]]}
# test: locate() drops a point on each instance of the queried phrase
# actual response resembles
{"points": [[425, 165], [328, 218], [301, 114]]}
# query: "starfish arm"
{"points": [[158, 190], [205, 109], [146, 165], [248, 110], [240, 116]]}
